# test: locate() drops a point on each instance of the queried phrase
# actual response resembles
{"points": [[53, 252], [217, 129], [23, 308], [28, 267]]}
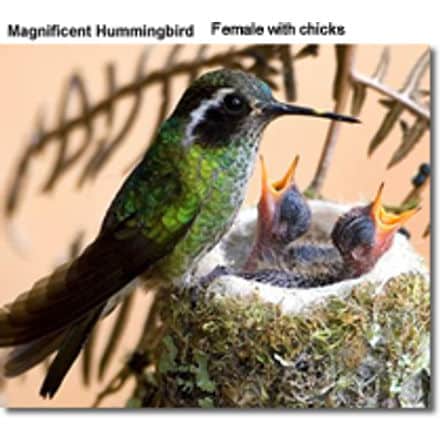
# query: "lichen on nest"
{"points": [[365, 351]]}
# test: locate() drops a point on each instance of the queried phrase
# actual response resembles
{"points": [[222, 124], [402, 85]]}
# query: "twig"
{"points": [[342, 90], [406, 101], [64, 161], [87, 356], [113, 387], [98, 161], [102, 144], [115, 335], [427, 231], [289, 79]]}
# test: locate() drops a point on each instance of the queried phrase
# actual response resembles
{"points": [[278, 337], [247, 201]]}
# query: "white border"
{"points": [[369, 21]]}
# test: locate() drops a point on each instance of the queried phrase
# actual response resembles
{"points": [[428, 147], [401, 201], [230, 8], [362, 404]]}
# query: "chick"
{"points": [[283, 216]]}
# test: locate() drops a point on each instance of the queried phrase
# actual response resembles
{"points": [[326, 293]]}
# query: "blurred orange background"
{"points": [[38, 236]]}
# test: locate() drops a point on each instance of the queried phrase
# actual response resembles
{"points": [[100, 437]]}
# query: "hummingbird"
{"points": [[171, 210], [283, 216], [359, 238]]}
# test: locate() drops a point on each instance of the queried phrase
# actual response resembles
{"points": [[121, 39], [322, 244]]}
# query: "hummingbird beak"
{"points": [[387, 222], [276, 109]]}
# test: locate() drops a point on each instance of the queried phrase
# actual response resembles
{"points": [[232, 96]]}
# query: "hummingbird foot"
{"points": [[202, 283]]}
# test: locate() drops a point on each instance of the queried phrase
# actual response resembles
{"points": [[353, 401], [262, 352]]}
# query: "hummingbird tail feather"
{"points": [[26, 356], [71, 345]]}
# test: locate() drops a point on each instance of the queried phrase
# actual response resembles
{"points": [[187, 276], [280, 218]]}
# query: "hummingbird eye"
{"points": [[235, 104]]}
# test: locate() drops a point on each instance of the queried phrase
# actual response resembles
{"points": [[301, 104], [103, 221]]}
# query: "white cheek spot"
{"points": [[198, 114]]}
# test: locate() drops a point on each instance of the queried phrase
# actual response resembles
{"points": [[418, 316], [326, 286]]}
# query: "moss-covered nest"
{"points": [[357, 344]]}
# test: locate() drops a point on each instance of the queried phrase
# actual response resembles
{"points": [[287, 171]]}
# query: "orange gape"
{"points": [[384, 220]]}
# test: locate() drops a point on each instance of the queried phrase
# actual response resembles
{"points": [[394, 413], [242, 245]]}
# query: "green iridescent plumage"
{"points": [[172, 209]]}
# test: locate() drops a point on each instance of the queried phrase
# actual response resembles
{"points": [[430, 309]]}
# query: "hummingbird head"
{"points": [[365, 233], [283, 212], [226, 107]]}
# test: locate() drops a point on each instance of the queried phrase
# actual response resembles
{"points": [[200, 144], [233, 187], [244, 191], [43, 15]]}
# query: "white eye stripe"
{"points": [[198, 114]]}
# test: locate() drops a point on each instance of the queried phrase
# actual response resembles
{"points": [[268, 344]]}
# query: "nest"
{"points": [[361, 343]]}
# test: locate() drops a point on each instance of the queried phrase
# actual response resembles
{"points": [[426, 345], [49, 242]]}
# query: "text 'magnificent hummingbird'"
{"points": [[172, 209]]}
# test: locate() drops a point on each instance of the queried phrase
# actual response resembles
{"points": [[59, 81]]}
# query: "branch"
{"points": [[342, 86], [396, 101], [406, 101]]}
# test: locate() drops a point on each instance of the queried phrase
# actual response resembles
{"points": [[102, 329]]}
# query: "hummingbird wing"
{"points": [[120, 253]]}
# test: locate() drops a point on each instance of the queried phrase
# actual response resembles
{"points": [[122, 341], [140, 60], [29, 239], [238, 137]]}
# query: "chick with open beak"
{"points": [[283, 217], [365, 233]]}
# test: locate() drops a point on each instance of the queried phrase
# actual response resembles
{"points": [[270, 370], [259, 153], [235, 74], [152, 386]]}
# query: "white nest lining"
{"points": [[400, 258]]}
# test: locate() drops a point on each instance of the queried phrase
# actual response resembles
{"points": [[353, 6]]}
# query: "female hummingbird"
{"points": [[173, 208]]}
